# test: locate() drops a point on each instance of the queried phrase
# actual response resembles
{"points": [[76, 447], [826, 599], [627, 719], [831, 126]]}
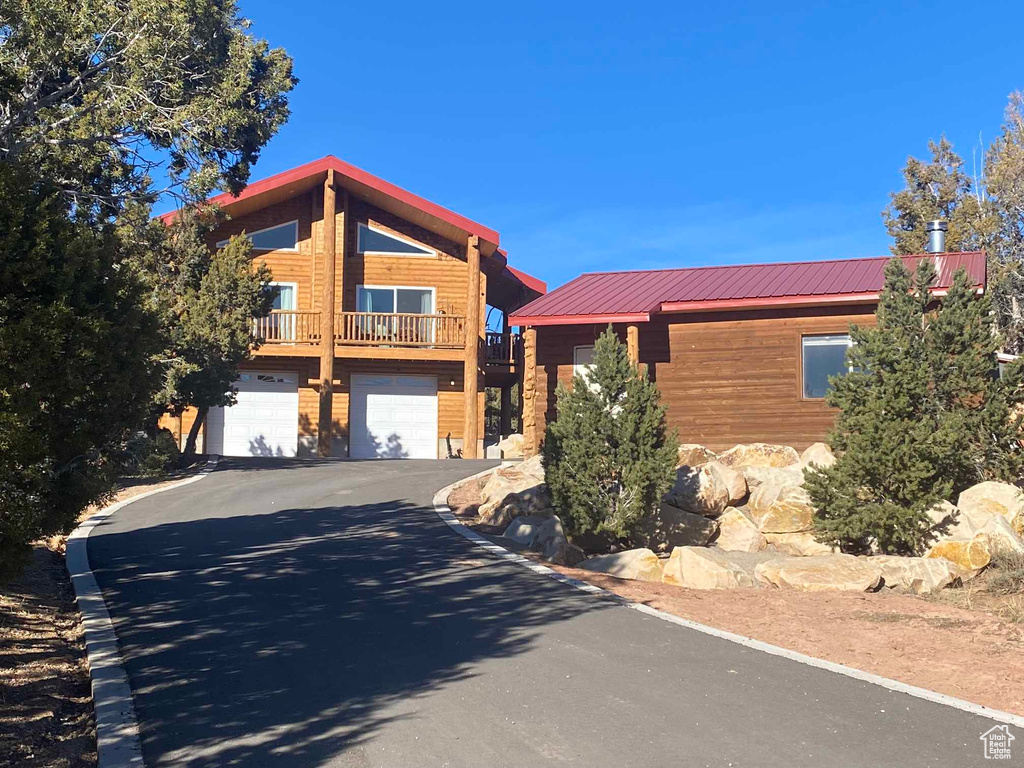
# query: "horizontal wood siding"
{"points": [[727, 378]]}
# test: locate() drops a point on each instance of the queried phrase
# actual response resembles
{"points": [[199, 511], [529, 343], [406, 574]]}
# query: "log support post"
{"points": [[528, 417], [327, 310], [633, 343], [471, 364]]}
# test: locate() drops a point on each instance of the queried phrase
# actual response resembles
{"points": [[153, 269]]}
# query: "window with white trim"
{"points": [[377, 242], [823, 356], [389, 299], [283, 237]]}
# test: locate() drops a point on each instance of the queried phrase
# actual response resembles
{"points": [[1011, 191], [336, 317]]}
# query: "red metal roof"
{"points": [[635, 295]]}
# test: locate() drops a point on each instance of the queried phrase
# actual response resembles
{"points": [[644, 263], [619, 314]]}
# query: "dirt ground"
{"points": [[961, 642], [46, 712]]}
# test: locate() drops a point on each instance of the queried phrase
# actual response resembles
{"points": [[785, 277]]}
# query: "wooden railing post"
{"points": [[327, 307], [471, 364]]}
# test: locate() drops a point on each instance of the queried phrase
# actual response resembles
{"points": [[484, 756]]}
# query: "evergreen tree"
{"points": [[213, 296], [608, 457], [922, 416]]}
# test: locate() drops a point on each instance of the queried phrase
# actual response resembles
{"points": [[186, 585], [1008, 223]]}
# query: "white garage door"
{"points": [[393, 417], [264, 421]]}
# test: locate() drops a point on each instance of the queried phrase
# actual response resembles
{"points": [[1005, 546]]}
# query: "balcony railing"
{"points": [[371, 329], [502, 348]]}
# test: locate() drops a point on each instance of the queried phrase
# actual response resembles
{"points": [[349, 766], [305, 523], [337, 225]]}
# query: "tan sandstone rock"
{"points": [[513, 491], [818, 455], [998, 536], [821, 574], [640, 564], [971, 554], [693, 455], [920, 575], [1002, 499], [735, 482], [797, 544], [948, 522], [672, 527], [738, 533], [755, 476], [702, 490], [511, 447], [760, 455], [545, 536], [703, 568], [781, 508]]}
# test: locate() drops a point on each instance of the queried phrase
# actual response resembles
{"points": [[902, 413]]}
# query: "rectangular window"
{"points": [[395, 300], [282, 327], [283, 237], [823, 356], [582, 360]]}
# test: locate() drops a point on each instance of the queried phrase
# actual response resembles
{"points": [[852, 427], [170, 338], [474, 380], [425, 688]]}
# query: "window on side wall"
{"points": [[823, 356], [582, 361], [283, 237]]}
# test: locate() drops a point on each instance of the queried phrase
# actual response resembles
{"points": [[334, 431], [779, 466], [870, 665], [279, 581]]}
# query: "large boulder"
{"points": [[513, 491], [693, 455], [818, 455], [1001, 499], [672, 527], [760, 455], [511, 447], [797, 544], [703, 568], [735, 482], [702, 490], [640, 564], [781, 508], [920, 575], [545, 536], [970, 554], [821, 574], [999, 536], [737, 532], [755, 476], [948, 522]]}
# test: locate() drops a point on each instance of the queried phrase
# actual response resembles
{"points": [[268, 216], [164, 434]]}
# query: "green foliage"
{"points": [[150, 456], [608, 457], [78, 345], [213, 296], [922, 417], [98, 95]]}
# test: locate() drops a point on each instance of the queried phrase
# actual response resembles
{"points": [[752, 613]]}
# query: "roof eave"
{"points": [[527, 320]]}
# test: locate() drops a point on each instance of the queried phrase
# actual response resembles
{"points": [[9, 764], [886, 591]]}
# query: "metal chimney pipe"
{"points": [[936, 230]]}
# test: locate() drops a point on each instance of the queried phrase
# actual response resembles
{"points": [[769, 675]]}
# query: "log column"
{"points": [[528, 417], [327, 306], [633, 343], [471, 364]]}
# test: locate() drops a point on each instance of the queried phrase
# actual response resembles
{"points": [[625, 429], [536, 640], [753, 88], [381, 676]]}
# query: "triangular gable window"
{"points": [[283, 237], [375, 241]]}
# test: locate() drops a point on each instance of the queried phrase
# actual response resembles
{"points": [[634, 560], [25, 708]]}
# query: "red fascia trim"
{"points": [[577, 319], [360, 176], [718, 305], [528, 280]]}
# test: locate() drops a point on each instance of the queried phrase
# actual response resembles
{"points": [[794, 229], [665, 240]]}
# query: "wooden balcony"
{"points": [[296, 332], [503, 349]]}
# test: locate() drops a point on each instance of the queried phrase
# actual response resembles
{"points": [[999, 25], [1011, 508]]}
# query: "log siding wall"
{"points": [[726, 378]]}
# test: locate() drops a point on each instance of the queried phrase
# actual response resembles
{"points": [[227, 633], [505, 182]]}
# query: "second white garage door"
{"points": [[393, 417]]}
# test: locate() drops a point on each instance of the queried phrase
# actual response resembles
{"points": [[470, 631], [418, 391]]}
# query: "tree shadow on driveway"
{"points": [[292, 636]]}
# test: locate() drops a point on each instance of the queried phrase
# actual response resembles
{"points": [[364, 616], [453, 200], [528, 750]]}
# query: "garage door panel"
{"points": [[393, 416], [264, 419]]}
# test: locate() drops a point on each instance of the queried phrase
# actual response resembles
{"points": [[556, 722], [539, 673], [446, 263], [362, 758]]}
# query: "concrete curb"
{"points": [[445, 513], [117, 731]]}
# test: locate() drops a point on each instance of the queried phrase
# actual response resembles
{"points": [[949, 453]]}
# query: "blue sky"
{"points": [[600, 136]]}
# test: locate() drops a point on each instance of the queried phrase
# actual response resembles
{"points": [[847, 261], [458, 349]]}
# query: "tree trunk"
{"points": [[193, 436]]}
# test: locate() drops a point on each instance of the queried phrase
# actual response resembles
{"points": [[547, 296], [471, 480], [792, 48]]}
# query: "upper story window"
{"points": [[823, 356], [376, 242], [283, 237], [389, 299]]}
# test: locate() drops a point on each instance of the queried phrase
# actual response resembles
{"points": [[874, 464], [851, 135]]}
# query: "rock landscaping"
{"points": [[742, 519]]}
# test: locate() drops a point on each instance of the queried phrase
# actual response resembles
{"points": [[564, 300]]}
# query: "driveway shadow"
{"points": [[288, 637]]}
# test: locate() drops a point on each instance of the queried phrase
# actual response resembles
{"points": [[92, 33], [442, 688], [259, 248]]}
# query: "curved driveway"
{"points": [[287, 613]]}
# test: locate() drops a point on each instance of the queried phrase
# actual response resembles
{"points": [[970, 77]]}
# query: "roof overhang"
{"points": [[638, 317], [377, 191]]}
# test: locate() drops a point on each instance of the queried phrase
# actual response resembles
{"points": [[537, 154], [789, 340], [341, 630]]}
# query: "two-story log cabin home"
{"points": [[377, 346]]}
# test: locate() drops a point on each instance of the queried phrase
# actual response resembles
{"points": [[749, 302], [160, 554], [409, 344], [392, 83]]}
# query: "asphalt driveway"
{"points": [[302, 614]]}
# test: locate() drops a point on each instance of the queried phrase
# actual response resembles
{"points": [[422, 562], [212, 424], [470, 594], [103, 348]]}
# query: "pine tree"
{"points": [[608, 456], [923, 416]]}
